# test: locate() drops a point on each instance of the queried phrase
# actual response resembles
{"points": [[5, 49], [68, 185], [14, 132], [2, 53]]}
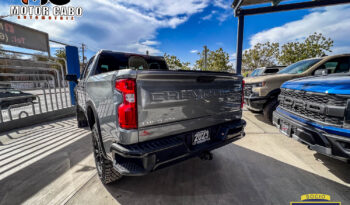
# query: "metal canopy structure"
{"points": [[253, 7]]}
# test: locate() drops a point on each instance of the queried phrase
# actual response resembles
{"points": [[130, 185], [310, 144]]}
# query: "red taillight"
{"points": [[127, 111], [242, 102]]}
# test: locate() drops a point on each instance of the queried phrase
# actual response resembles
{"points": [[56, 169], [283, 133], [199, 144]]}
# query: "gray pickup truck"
{"points": [[144, 117]]}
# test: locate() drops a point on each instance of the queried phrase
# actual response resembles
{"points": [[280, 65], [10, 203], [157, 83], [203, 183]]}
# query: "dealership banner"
{"points": [[21, 36]]}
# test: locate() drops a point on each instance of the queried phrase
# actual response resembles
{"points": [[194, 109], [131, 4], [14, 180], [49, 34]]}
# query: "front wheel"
{"points": [[268, 110], [104, 166]]}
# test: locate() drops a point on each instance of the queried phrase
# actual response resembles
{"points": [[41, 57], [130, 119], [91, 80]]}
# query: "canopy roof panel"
{"points": [[251, 7], [254, 2]]}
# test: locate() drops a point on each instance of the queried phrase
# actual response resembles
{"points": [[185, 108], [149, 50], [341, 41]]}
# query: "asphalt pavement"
{"points": [[52, 163]]}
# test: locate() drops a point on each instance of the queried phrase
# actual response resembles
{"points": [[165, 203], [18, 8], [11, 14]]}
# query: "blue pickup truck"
{"points": [[316, 111]]}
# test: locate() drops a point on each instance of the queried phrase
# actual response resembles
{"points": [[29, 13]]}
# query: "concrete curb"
{"points": [[37, 119]]}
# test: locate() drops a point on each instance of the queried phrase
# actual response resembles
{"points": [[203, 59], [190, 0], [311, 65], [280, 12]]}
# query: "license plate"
{"points": [[200, 137], [284, 128]]}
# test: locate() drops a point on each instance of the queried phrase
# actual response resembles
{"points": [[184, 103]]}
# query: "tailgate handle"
{"points": [[205, 79]]}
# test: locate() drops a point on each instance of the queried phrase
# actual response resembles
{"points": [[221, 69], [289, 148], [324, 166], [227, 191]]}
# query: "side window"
{"points": [[272, 70], [87, 69], [343, 65], [337, 65]]}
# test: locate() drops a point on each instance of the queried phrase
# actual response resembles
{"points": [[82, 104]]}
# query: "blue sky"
{"points": [[183, 27], [196, 32]]}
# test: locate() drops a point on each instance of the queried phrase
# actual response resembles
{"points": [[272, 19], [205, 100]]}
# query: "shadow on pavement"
{"points": [[86, 168], [235, 176], [47, 126], [335, 166], [20, 186], [260, 117], [339, 168]]}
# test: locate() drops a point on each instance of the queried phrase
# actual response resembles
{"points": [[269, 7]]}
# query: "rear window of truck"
{"points": [[117, 61]]}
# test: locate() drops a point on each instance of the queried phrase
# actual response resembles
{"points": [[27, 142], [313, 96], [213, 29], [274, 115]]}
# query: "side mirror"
{"points": [[321, 72], [72, 78]]}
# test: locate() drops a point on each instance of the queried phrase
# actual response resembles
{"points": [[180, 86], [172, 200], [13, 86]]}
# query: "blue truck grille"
{"points": [[288, 99]]}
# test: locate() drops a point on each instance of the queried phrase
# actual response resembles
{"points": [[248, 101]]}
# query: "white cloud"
{"points": [[56, 45], [123, 25], [194, 51], [223, 16], [150, 43], [233, 56], [209, 16], [333, 22], [233, 60], [162, 8], [224, 4], [223, 11], [341, 49], [141, 48]]}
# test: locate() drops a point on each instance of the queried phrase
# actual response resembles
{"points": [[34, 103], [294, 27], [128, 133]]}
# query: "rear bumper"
{"points": [[255, 103], [142, 158], [336, 146]]}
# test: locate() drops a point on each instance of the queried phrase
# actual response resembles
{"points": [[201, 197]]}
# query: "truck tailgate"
{"points": [[172, 102]]}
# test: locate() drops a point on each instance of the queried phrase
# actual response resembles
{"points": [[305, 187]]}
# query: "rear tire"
{"points": [[104, 166], [269, 108]]}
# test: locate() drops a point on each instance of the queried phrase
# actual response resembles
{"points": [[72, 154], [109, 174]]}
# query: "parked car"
{"points": [[316, 111], [266, 71], [144, 116], [261, 93], [11, 96]]}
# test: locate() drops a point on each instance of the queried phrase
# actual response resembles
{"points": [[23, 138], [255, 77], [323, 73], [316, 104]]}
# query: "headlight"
{"points": [[255, 90], [259, 85]]}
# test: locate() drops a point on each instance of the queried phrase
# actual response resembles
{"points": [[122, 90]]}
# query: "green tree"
{"points": [[315, 45], [175, 64], [261, 55], [61, 53], [40, 57], [217, 60]]}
